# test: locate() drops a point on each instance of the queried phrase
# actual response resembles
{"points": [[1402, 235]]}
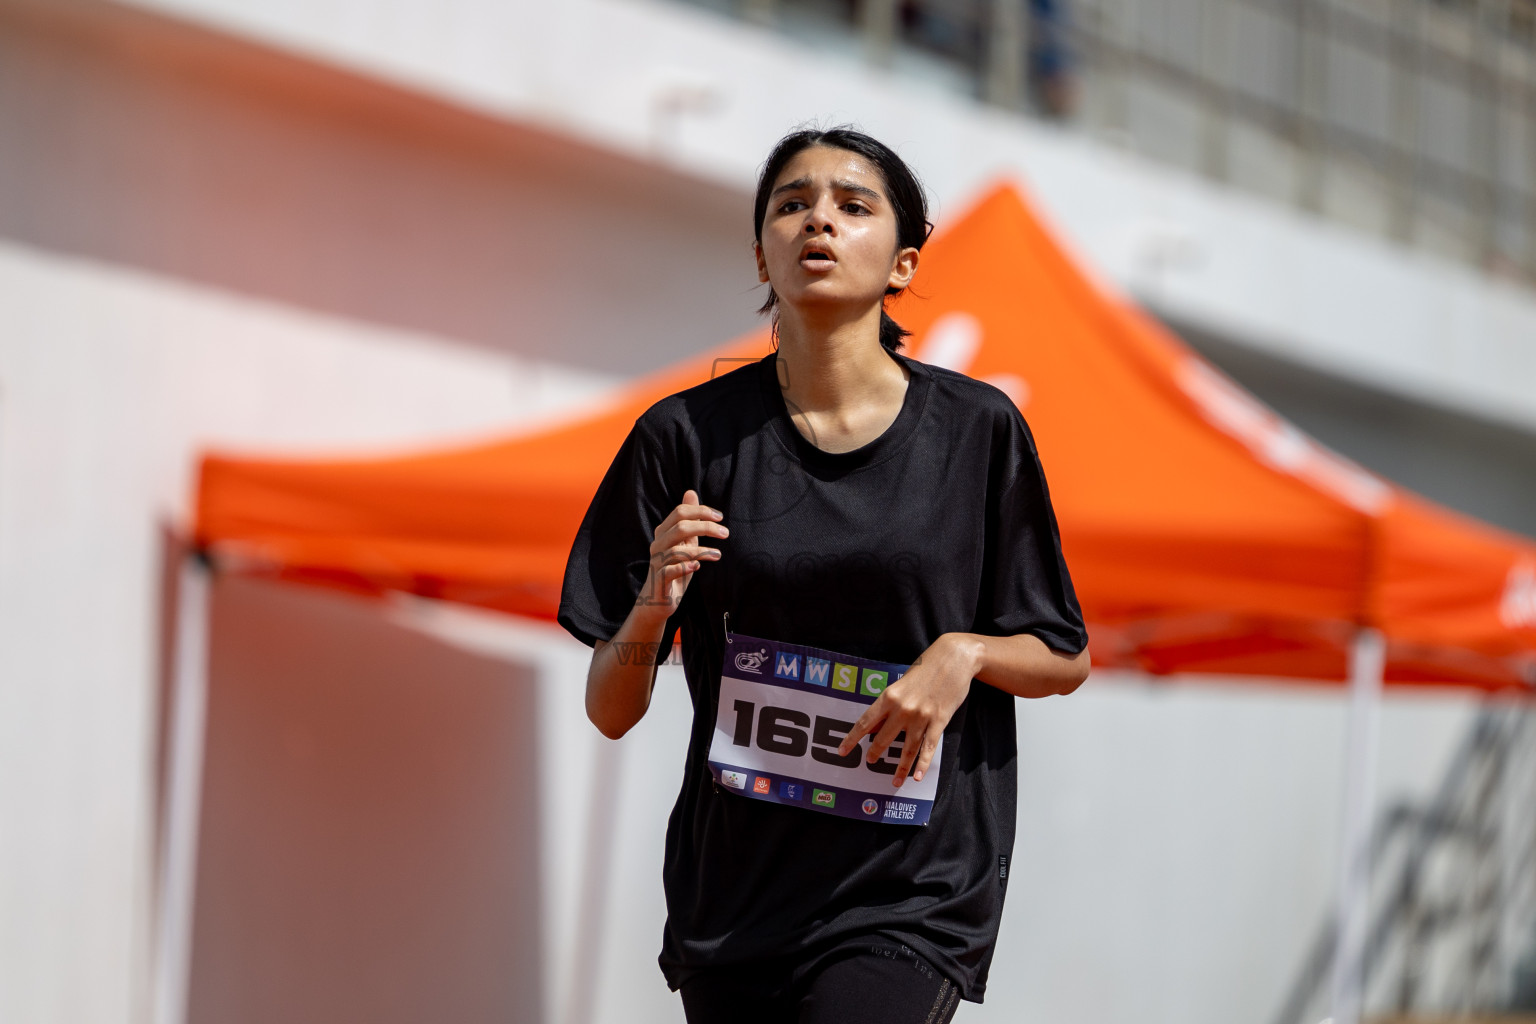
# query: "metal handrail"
{"points": [[1458, 813]]}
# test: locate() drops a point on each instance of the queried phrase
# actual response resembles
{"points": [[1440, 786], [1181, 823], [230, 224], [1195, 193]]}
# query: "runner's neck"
{"points": [[842, 388]]}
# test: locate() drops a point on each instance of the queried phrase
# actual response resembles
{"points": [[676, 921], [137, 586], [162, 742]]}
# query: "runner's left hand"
{"points": [[920, 703]]}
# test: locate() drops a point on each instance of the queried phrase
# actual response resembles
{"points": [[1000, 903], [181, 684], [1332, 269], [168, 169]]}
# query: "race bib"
{"points": [[783, 711]]}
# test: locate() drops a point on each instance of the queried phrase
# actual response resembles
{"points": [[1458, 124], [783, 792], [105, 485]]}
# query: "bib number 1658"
{"points": [[791, 733]]}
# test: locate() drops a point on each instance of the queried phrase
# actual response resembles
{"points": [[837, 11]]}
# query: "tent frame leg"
{"points": [[183, 797], [1367, 666], [592, 912]]}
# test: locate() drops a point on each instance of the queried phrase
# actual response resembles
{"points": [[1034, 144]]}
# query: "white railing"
{"points": [[1425, 108]]}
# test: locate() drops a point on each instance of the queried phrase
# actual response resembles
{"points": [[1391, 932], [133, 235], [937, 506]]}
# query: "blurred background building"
{"points": [[338, 226]]}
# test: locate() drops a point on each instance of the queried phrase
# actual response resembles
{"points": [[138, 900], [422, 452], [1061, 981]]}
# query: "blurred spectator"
{"points": [[957, 29], [1052, 64], [950, 27]]}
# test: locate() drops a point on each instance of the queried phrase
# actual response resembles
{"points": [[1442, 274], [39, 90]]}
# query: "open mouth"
{"points": [[817, 260]]}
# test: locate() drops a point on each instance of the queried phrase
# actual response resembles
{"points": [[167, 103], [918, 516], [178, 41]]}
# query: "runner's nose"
{"points": [[818, 219]]}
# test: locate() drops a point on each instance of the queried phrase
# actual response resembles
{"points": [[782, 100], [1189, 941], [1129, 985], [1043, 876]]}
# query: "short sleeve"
{"points": [[611, 553], [1025, 584]]}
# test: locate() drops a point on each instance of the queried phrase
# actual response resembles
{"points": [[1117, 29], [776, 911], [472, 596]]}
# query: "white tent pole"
{"points": [[183, 796], [596, 875], [1367, 664]]}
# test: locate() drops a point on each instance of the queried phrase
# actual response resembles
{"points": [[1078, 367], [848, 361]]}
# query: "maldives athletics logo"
{"points": [[871, 805]]}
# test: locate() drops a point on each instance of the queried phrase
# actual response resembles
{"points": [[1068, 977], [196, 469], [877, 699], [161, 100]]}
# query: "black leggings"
{"points": [[878, 981]]}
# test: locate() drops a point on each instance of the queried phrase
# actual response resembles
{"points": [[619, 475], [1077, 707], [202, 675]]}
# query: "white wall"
{"points": [[369, 841], [111, 382], [139, 140]]}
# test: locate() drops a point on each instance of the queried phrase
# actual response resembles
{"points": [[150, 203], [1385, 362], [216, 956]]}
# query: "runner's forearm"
{"points": [[623, 671], [1023, 665]]}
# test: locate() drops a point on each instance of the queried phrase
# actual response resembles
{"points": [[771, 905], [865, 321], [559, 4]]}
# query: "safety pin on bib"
{"points": [[728, 628]]}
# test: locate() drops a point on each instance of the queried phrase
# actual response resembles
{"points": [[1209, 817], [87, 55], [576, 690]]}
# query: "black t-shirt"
{"points": [[941, 524]]}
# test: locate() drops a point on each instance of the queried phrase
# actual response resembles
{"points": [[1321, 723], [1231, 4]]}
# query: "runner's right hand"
{"points": [[676, 553]]}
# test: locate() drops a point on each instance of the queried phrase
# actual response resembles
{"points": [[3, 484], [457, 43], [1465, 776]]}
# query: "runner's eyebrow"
{"points": [[841, 185], [845, 185], [792, 186]]}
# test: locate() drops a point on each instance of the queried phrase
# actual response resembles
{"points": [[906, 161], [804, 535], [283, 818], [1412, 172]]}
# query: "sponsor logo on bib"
{"points": [[751, 661], [786, 666], [823, 798], [818, 671], [762, 785], [736, 780], [791, 791]]}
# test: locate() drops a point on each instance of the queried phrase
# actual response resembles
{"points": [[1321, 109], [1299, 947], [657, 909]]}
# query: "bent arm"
{"points": [[1022, 664], [923, 700], [623, 668]]}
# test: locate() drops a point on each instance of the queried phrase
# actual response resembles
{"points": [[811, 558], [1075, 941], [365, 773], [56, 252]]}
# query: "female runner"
{"points": [[835, 495]]}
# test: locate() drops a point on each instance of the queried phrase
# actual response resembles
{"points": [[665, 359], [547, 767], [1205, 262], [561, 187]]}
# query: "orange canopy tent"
{"points": [[1203, 532]]}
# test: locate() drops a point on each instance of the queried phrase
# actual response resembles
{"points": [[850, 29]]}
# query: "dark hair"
{"points": [[902, 188]]}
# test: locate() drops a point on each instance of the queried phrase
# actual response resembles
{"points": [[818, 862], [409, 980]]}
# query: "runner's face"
{"points": [[829, 233]]}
